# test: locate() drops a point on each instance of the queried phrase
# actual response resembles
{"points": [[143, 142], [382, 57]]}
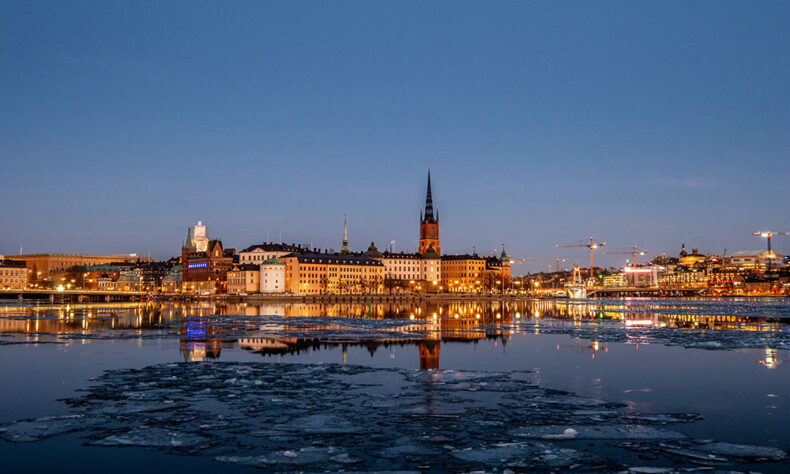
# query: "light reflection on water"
{"points": [[205, 328]]}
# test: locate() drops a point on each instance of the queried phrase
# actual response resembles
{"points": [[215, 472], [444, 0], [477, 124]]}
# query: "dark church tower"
{"points": [[429, 224]]}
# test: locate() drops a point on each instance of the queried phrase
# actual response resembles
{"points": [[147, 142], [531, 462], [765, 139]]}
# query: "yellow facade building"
{"points": [[463, 273], [319, 273]]}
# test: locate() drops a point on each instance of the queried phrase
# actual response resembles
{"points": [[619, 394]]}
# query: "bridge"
{"points": [[54, 295]]}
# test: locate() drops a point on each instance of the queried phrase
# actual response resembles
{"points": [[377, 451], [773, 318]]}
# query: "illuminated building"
{"points": [[272, 276], [318, 273], [171, 283], [197, 237], [497, 271], [613, 280], [641, 276], [429, 224], [690, 259], [205, 272], [463, 273], [13, 274], [43, 265], [244, 279], [753, 260], [683, 277], [409, 267]]}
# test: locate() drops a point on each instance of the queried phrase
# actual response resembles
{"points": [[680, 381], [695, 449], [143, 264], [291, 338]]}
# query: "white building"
{"points": [[408, 266], [641, 276], [198, 236], [272, 276]]}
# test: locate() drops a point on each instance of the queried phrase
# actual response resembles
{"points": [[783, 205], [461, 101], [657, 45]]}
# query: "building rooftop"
{"points": [[334, 258], [275, 247]]}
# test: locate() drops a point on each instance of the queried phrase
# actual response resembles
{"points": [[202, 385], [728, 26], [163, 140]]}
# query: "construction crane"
{"points": [[768, 234], [633, 254], [592, 245], [557, 261]]}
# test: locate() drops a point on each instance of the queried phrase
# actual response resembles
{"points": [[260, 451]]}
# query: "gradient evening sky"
{"points": [[652, 123]]}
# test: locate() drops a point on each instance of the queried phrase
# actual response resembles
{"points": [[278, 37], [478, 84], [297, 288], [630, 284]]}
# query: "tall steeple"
{"points": [[429, 224], [429, 202], [344, 249]]}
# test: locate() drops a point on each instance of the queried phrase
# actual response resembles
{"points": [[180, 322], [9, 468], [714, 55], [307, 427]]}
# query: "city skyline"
{"points": [[642, 125]]}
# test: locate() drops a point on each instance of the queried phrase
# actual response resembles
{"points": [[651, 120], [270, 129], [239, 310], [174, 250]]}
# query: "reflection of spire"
{"points": [[429, 355], [344, 249]]}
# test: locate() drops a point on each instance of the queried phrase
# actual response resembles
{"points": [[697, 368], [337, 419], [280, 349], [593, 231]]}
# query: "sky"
{"points": [[543, 123]]}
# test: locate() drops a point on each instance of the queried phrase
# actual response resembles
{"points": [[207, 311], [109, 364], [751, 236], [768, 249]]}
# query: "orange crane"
{"points": [[592, 245], [768, 234], [633, 254], [557, 261]]}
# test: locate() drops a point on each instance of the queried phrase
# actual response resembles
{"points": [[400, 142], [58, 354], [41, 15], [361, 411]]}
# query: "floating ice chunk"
{"points": [[697, 456], [596, 432], [756, 453], [157, 437], [326, 424], [498, 455], [569, 433], [651, 469], [308, 455], [23, 431]]}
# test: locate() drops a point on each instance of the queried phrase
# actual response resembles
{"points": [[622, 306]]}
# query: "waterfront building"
{"points": [[409, 270], [753, 260], [244, 278], [429, 224], [272, 276], [463, 273], [129, 281], [497, 272], [647, 277], [318, 273], [258, 253], [43, 265], [683, 278], [172, 282], [13, 274], [206, 272], [613, 280]]}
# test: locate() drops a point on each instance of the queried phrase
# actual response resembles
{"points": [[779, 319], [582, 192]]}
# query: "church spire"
{"points": [[429, 202], [344, 249]]}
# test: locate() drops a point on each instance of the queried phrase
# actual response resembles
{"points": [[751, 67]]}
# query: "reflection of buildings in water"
{"points": [[429, 355], [200, 350], [593, 347], [79, 318], [640, 315], [770, 359], [198, 345]]}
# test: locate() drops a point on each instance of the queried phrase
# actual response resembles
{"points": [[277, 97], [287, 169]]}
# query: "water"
{"points": [[542, 385]]}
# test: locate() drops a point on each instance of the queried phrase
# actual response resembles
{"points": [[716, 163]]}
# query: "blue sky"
{"points": [[649, 123]]}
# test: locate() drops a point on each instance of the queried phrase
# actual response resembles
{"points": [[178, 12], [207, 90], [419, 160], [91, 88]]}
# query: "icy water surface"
{"points": [[610, 385]]}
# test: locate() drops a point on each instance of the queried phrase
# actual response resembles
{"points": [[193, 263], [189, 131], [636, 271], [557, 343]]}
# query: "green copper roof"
{"points": [[272, 261]]}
